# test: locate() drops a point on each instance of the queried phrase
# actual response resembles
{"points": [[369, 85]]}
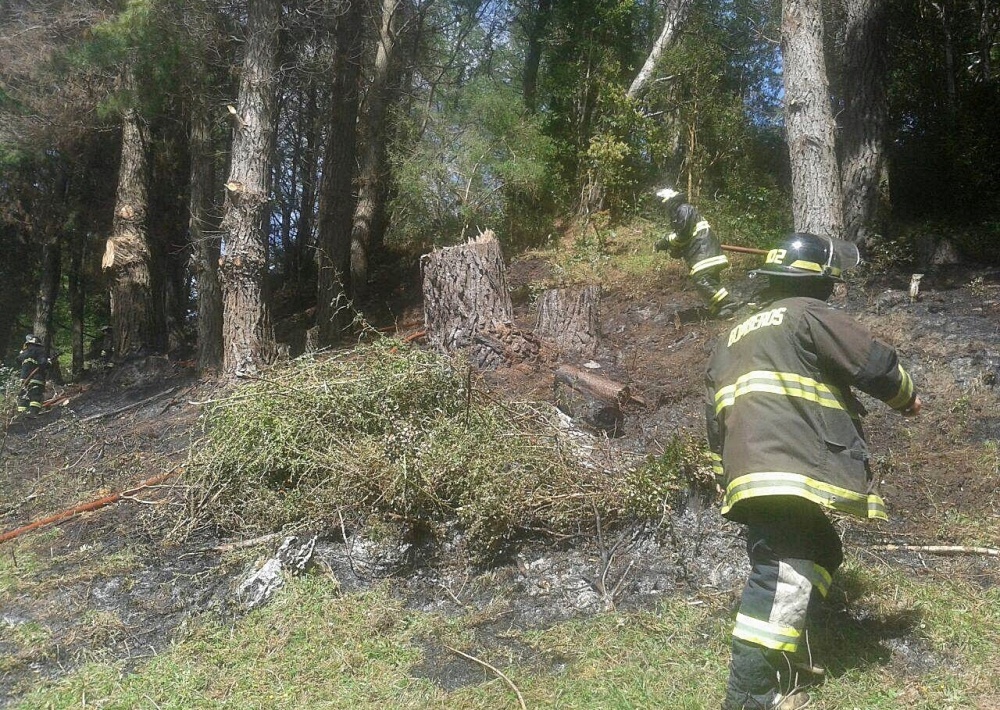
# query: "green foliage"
{"points": [[480, 163], [393, 432]]}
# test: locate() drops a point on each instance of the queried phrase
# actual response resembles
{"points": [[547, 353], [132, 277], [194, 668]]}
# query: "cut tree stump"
{"points": [[594, 400], [467, 304], [569, 319]]}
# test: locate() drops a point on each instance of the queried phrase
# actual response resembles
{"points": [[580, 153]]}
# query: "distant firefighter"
{"points": [[34, 367], [693, 240]]}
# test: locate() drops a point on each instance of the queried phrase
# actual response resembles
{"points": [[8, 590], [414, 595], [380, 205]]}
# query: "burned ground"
{"points": [[124, 580]]}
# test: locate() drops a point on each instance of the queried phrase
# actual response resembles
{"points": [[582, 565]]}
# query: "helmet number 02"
{"points": [[776, 256]]}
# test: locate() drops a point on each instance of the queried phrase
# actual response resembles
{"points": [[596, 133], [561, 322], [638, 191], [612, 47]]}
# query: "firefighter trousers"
{"points": [[794, 550], [709, 286]]}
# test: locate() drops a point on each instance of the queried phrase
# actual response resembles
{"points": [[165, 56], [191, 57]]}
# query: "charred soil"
{"points": [[123, 580]]}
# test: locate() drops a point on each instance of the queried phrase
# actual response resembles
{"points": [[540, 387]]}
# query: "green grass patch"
{"points": [[905, 644]]}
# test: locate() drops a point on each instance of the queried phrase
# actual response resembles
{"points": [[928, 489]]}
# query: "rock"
{"points": [[293, 556]]}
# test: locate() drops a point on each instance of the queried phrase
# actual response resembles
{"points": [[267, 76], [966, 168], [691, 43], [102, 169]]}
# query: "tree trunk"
{"points": [[127, 253], [205, 240], [989, 24], [672, 17], [48, 289], [863, 119], [817, 200], [569, 318], [336, 201], [538, 22], [467, 304], [373, 151], [247, 338], [77, 304]]}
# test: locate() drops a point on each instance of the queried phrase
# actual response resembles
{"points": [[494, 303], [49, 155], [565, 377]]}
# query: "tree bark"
{"points": [[591, 399], [206, 241], [569, 318], [467, 304], [817, 198], [127, 253], [373, 152], [673, 16], [863, 119], [247, 338], [48, 289], [336, 200], [77, 305], [538, 21]]}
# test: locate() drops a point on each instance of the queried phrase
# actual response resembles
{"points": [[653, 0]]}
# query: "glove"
{"points": [[668, 244]]}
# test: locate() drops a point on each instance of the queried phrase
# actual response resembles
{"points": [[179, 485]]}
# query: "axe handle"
{"points": [[743, 250]]}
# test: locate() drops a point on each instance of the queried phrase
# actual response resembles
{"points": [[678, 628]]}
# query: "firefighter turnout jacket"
{"points": [[34, 367], [694, 241], [782, 378]]}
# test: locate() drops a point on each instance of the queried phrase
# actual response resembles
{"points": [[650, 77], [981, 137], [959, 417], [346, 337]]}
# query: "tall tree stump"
{"points": [[569, 318], [467, 304]]}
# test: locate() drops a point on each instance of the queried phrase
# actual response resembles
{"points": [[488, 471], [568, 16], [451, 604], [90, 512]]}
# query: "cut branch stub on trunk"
{"points": [[591, 399], [569, 318], [467, 304]]}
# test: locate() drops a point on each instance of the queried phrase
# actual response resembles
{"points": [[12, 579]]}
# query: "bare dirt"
{"points": [[122, 582]]}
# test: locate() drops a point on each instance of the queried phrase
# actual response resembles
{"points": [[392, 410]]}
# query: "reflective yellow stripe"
{"points": [[781, 483], [821, 579], [719, 295], [708, 263], [807, 265], [905, 393], [763, 633], [701, 226], [783, 383]]}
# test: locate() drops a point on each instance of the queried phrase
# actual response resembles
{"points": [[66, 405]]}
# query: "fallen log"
{"points": [[592, 399], [87, 507]]}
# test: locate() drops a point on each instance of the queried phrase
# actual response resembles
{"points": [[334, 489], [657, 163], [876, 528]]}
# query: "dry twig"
{"points": [[941, 549], [484, 664]]}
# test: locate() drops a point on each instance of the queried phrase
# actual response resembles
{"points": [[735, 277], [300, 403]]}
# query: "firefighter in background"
{"points": [[693, 240], [784, 429], [34, 367]]}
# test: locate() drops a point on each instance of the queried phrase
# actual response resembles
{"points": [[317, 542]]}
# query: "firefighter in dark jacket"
{"points": [[34, 367], [693, 240], [784, 429]]}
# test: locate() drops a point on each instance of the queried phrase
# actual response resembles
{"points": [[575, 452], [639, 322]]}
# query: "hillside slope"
{"points": [[120, 584]]}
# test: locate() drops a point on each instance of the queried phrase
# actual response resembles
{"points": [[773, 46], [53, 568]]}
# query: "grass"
{"points": [[315, 648]]}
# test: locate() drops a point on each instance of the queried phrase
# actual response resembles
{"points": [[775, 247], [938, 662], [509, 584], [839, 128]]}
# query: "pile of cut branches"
{"points": [[390, 432]]}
